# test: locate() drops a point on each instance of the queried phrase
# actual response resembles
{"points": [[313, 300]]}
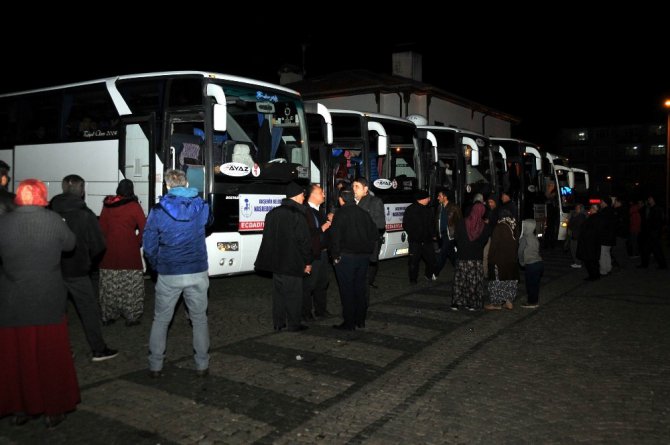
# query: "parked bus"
{"points": [[523, 178], [559, 185], [239, 140], [382, 149], [462, 163]]}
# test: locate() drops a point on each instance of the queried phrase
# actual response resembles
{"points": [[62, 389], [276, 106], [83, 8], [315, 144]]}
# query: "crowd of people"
{"points": [[98, 264]]}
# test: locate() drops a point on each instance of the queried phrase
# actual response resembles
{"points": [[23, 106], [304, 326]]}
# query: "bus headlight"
{"points": [[228, 246]]}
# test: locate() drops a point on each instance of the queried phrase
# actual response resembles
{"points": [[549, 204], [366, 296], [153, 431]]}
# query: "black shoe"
{"points": [[52, 421], [155, 374], [309, 317], [202, 372], [279, 328], [373, 285], [301, 327], [105, 354], [412, 282], [108, 322], [360, 325], [325, 314], [132, 322], [343, 327], [454, 307]]}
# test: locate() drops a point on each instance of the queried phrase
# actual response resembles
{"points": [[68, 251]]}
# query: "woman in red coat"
{"points": [[121, 278]]}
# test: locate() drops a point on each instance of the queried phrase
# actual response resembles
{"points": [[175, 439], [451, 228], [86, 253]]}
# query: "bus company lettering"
{"points": [[99, 133], [394, 214], [252, 225], [235, 169]]}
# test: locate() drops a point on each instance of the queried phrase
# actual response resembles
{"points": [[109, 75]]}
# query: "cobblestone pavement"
{"points": [[590, 365]]}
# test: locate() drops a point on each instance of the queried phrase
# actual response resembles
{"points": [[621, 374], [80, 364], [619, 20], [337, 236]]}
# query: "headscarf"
{"points": [[474, 224], [31, 192], [509, 222]]}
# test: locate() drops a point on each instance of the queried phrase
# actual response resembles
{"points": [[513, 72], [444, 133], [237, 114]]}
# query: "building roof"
{"points": [[353, 82]]}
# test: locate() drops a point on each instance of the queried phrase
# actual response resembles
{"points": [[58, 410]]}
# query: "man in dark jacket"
{"points": [[418, 223], [174, 245], [286, 251], [315, 285], [352, 240], [375, 207], [78, 264], [448, 215], [6, 197]]}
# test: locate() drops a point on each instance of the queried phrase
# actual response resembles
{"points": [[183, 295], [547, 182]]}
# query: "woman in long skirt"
{"points": [[121, 272], [37, 374]]}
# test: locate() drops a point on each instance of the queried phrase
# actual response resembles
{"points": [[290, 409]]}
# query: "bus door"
{"points": [[187, 144], [138, 161], [449, 176]]}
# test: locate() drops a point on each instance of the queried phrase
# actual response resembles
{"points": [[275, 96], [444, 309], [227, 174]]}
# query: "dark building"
{"points": [[628, 159]]}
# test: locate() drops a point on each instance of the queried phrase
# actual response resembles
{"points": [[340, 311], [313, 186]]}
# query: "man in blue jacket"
{"points": [[174, 245]]}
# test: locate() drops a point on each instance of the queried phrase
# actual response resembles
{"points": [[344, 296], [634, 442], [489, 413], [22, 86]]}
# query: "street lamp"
{"points": [[667, 161]]}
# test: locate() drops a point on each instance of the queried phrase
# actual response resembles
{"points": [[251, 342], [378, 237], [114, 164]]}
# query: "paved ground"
{"points": [[590, 365]]}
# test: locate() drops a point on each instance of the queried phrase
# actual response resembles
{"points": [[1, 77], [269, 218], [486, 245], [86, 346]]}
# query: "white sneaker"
{"points": [[434, 278], [576, 266]]}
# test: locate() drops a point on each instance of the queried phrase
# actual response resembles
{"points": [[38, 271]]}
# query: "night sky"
{"points": [[564, 70]]}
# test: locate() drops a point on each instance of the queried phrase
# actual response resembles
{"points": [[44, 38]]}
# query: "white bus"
{"points": [[462, 163], [383, 149], [559, 187], [239, 140]]}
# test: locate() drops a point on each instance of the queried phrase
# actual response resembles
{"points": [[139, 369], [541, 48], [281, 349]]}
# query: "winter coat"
{"points": [[286, 247], [635, 218], [529, 246], [503, 253], [174, 235], [418, 223], [90, 240], [32, 292], [470, 250], [352, 232], [122, 222]]}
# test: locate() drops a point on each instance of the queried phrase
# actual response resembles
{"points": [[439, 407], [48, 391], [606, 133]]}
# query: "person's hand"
{"points": [[325, 226], [330, 217]]}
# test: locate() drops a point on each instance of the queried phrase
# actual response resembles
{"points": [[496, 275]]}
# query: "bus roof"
{"points": [[372, 115], [452, 129], [205, 74], [520, 141]]}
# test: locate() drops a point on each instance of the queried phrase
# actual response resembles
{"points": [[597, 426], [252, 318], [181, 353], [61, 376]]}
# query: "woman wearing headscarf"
{"points": [[503, 269], [37, 374], [471, 236], [121, 272]]}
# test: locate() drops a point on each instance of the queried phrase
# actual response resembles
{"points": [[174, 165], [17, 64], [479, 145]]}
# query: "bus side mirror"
{"points": [[571, 179], [219, 111], [220, 117], [382, 141], [475, 157]]}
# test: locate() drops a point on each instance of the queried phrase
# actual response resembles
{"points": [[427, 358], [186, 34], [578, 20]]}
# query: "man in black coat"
{"points": [[418, 223], [78, 264], [315, 285], [286, 251], [352, 240], [375, 207]]}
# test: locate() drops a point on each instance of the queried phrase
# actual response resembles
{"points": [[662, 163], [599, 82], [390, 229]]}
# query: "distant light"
{"points": [[637, 184], [594, 201], [634, 147], [609, 177], [397, 150], [667, 103], [582, 134]]}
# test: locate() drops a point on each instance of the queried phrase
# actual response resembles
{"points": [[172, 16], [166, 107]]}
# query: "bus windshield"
{"points": [[399, 165], [265, 132]]}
